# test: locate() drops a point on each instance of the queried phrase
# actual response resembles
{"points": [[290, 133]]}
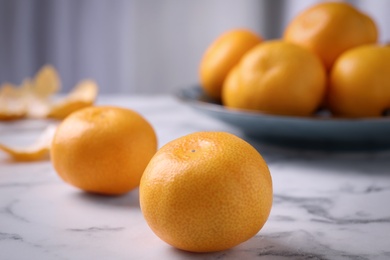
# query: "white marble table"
{"points": [[327, 205]]}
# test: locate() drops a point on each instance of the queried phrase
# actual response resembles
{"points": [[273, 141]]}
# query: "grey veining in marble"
{"points": [[327, 205]]}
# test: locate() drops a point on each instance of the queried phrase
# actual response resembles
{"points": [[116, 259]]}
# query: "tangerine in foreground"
{"points": [[207, 191], [103, 149]]}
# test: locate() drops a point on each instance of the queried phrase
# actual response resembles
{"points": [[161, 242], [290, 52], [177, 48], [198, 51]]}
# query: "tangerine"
{"points": [[330, 28], [276, 77], [103, 149], [222, 55], [207, 191], [360, 82]]}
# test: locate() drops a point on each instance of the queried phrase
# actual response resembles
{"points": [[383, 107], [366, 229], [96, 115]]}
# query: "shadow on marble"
{"points": [[284, 245], [130, 199], [182, 254], [352, 162]]}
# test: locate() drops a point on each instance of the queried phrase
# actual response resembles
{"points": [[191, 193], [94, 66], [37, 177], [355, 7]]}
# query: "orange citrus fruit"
{"points": [[207, 191], [330, 28], [103, 149], [222, 55], [360, 82], [276, 77]]}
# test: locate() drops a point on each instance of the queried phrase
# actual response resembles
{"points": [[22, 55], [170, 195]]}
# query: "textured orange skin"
{"points": [[330, 28], [360, 82], [207, 191], [221, 56], [103, 149], [276, 77]]}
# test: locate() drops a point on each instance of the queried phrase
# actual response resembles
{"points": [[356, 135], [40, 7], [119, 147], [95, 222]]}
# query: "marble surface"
{"points": [[327, 205]]}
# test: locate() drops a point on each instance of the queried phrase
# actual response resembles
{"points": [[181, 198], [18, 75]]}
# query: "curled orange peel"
{"points": [[83, 95], [39, 150], [12, 106], [33, 98]]}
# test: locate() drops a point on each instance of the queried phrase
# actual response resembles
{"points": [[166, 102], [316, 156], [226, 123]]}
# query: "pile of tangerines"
{"points": [[329, 57]]}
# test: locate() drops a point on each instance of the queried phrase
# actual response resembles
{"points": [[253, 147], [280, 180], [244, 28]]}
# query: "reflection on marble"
{"points": [[327, 205]]}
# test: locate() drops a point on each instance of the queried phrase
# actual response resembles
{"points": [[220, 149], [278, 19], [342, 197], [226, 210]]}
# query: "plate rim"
{"points": [[214, 107]]}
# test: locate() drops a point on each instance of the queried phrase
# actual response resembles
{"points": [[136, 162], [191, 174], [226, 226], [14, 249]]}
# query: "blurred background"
{"points": [[136, 46]]}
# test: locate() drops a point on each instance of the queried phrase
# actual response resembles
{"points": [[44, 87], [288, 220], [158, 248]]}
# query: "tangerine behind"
{"points": [[103, 149], [330, 28], [360, 82], [222, 55], [278, 78]]}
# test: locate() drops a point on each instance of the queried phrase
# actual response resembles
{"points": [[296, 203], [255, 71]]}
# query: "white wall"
{"points": [[135, 46]]}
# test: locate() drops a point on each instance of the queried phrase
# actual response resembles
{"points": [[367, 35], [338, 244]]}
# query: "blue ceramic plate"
{"points": [[321, 130]]}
